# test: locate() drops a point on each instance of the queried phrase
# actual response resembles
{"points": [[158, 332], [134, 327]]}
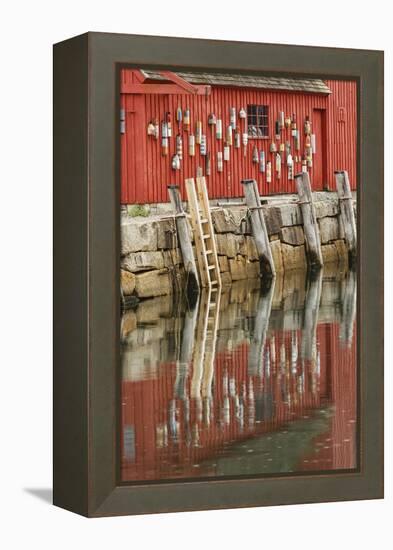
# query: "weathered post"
{"points": [[259, 230], [348, 313], [311, 230], [347, 215], [184, 240]]}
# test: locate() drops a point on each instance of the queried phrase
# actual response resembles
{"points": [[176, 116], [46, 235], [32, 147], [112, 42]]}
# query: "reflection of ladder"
{"points": [[202, 226], [205, 349]]}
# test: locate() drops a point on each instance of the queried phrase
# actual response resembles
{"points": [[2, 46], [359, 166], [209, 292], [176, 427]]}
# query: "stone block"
{"points": [[287, 214], [166, 234], [138, 236], [128, 323], [253, 269], [127, 282], [224, 264], [272, 218], [241, 245], [328, 229], [329, 253], [326, 208], [226, 279], [237, 267], [153, 283], [226, 244], [143, 261], [342, 250], [251, 249], [275, 247], [223, 221], [293, 257], [292, 235]]}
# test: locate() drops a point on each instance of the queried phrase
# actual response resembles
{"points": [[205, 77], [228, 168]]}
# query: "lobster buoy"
{"points": [[255, 154], [273, 147], [191, 145], [219, 161], [219, 129], [307, 141], [229, 135], [151, 129], [293, 122], [313, 144], [297, 140], [288, 122], [186, 119], [232, 117], [237, 140], [290, 167], [307, 126], [282, 147], [203, 144], [226, 152], [175, 162], [281, 119], [245, 143], [179, 115], [164, 146], [212, 120], [242, 113], [164, 129], [198, 132], [207, 164], [277, 129], [179, 146], [262, 162], [168, 122], [304, 165], [268, 172], [278, 165]]}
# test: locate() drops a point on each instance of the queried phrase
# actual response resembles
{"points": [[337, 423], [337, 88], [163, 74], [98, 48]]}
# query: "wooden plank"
{"points": [[184, 240], [311, 230], [347, 215]]}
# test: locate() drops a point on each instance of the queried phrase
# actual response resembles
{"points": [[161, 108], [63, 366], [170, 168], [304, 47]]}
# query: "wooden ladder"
{"points": [[205, 244]]}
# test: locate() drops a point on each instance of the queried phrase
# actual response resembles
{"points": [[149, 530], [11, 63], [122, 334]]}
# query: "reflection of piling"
{"points": [[311, 230], [347, 216], [348, 309], [310, 321], [184, 240], [258, 341], [259, 230], [186, 350]]}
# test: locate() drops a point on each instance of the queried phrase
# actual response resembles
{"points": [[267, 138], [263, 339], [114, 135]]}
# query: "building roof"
{"points": [[309, 85]]}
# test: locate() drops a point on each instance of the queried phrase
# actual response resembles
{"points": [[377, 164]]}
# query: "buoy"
{"points": [[278, 165], [313, 143], [237, 140], [290, 167], [219, 128], [287, 148], [176, 162], [179, 146], [282, 147], [186, 119], [255, 154], [164, 129], [268, 172], [308, 152], [232, 117], [307, 142], [198, 131], [307, 126], [164, 146], [289, 160], [203, 144], [168, 122], [297, 140], [262, 162], [273, 147], [245, 143], [281, 119], [207, 164], [191, 145], [179, 116], [288, 122], [219, 161], [304, 165], [229, 135], [293, 122], [151, 129], [242, 113], [212, 120], [277, 129], [226, 153]]}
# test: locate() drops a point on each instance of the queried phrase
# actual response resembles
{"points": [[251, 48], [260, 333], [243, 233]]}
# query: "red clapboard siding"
{"points": [[145, 173]]}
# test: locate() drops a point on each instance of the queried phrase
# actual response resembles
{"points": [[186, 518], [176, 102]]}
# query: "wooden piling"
{"points": [[347, 215], [184, 240], [310, 319], [259, 230], [310, 224]]}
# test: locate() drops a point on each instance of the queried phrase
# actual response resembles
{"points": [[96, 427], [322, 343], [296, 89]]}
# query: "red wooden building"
{"points": [[173, 123]]}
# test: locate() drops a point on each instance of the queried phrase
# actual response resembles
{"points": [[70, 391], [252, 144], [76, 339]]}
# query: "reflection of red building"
{"points": [[167, 433]]}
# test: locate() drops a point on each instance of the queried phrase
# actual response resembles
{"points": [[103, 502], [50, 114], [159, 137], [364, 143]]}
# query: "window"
{"points": [[257, 121]]}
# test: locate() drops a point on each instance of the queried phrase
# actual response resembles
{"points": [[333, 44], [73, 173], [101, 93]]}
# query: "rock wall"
{"points": [[151, 261]]}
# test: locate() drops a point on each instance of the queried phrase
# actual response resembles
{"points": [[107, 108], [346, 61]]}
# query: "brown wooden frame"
{"points": [[86, 272]]}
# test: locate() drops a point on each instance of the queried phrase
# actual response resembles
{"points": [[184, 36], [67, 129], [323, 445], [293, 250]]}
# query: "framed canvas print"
{"points": [[218, 260]]}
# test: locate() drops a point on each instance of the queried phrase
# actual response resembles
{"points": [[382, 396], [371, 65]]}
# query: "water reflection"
{"points": [[244, 383]]}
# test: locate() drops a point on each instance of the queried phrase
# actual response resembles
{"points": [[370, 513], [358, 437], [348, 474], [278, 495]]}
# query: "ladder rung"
{"points": [[209, 252], [207, 236], [214, 282], [212, 304], [204, 220], [211, 267]]}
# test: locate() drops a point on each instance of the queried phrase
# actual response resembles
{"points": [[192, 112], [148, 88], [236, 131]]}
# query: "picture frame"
{"points": [[87, 268]]}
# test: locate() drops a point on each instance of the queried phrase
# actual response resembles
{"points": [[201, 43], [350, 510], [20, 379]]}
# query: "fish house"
{"points": [[232, 127]]}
